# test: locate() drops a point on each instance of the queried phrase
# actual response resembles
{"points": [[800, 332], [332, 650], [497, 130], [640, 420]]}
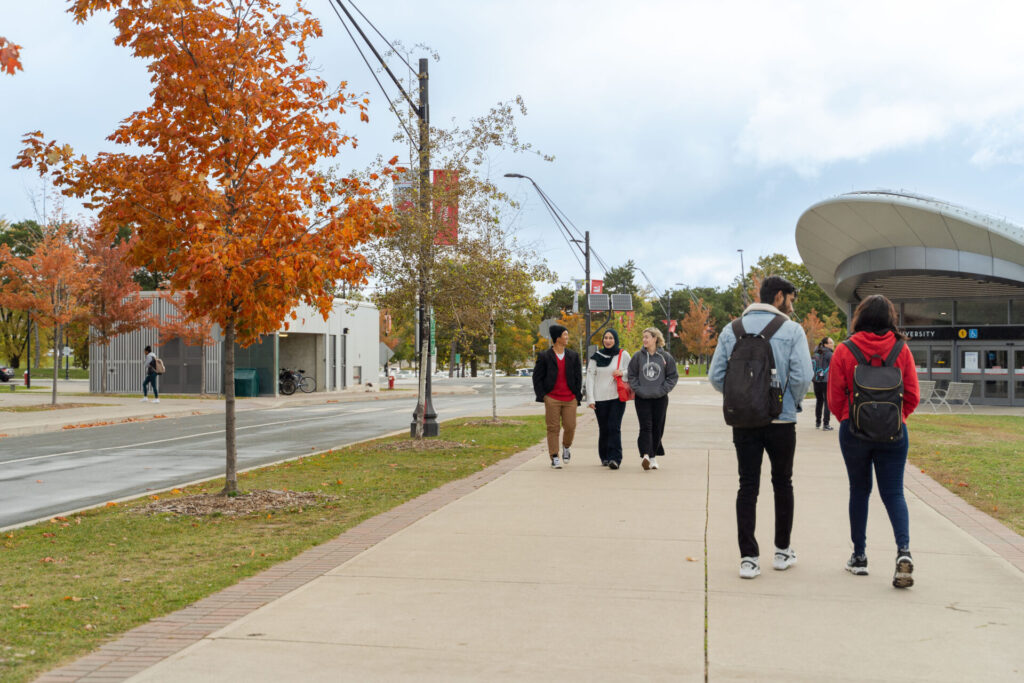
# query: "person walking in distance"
{"points": [[606, 365], [874, 434], [558, 384], [150, 380], [783, 379], [652, 375], [821, 359]]}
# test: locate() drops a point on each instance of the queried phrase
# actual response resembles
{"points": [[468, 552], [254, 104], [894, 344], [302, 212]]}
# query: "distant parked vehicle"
{"points": [[6, 374], [524, 372]]}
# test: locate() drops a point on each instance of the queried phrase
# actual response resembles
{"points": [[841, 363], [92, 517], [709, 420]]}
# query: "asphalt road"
{"points": [[43, 475]]}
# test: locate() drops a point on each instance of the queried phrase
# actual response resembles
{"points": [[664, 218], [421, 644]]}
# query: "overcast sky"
{"points": [[682, 130]]}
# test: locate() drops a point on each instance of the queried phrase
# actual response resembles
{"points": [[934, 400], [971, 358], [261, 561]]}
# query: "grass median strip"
{"points": [[978, 457], [72, 583]]}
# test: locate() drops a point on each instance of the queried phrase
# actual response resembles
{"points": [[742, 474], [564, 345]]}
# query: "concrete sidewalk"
{"points": [[587, 574]]}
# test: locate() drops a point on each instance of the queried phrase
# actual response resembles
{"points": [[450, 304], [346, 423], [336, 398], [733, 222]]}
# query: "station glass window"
{"points": [[927, 313], [1017, 312], [981, 312]]}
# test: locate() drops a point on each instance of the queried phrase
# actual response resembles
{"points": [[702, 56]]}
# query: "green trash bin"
{"points": [[247, 382]]}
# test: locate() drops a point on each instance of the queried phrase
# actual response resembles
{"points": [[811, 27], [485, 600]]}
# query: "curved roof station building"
{"points": [[955, 275]]}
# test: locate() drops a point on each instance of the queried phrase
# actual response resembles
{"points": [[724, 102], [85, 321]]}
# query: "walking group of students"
{"points": [[763, 367], [613, 379]]}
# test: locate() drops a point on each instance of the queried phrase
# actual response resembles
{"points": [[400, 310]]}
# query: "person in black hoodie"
{"points": [[821, 359], [652, 374], [558, 384]]}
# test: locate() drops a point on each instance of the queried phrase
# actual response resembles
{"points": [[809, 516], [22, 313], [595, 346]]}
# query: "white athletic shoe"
{"points": [[749, 567], [784, 559], [144, 400], [654, 463], [566, 455], [556, 463], [645, 462], [156, 400]]}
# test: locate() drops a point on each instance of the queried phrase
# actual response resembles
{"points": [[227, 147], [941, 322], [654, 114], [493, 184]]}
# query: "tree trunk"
{"points": [[202, 370], [231, 455], [56, 365], [493, 357], [37, 329], [106, 368]]}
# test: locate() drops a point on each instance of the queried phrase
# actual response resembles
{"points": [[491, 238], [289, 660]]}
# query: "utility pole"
{"points": [[424, 418], [586, 343], [743, 281]]}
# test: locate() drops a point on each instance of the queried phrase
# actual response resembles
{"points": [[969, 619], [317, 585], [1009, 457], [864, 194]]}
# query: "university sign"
{"points": [[958, 333]]}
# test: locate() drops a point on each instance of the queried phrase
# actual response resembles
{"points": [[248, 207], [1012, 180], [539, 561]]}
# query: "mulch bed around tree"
{"points": [[242, 504]]}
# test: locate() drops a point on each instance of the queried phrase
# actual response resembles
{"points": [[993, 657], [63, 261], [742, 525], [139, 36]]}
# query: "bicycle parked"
{"points": [[290, 380]]}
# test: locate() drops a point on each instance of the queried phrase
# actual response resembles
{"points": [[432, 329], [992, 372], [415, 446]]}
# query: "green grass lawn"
{"points": [[72, 583], [978, 457]]}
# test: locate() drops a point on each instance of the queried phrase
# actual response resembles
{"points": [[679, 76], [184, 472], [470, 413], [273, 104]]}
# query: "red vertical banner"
{"points": [[446, 206], [597, 286]]}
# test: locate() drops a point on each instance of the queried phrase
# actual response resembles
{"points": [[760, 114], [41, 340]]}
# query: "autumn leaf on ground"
{"points": [[110, 504], [21, 606]]}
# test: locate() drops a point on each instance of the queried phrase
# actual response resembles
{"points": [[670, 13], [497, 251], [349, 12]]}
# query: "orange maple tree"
{"points": [[48, 285], [221, 186], [697, 329], [10, 56], [111, 297]]}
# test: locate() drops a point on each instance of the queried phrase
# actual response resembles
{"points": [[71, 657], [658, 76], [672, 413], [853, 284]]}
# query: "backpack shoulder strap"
{"points": [[894, 354], [737, 327], [771, 328], [856, 352]]}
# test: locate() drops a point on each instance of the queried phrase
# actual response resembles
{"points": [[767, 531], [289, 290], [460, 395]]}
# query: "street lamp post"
{"points": [[585, 250], [743, 281]]}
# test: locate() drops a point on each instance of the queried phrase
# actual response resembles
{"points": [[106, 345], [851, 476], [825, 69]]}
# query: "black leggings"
{"points": [[821, 403], [650, 412]]}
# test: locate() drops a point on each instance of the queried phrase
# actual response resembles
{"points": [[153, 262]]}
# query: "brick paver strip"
{"points": [[162, 637], [149, 643]]}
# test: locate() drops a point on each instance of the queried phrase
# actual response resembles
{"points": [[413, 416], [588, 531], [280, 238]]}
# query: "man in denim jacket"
{"points": [[793, 364]]}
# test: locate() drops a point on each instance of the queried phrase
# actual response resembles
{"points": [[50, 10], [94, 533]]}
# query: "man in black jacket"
{"points": [[558, 384]]}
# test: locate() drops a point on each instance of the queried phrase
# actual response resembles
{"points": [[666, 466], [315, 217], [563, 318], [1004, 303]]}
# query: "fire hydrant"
{"points": [[28, 380], [391, 381]]}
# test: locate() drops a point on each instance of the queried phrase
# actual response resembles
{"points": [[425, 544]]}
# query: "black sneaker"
{"points": [[904, 570], [817, 425], [827, 428], [566, 455], [857, 565], [605, 463], [613, 465]]}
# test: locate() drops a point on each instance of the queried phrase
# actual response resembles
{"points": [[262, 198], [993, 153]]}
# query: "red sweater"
{"points": [[561, 392], [840, 373]]}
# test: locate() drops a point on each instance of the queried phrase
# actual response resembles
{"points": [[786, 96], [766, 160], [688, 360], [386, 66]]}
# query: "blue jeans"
{"points": [[889, 461], [150, 381]]}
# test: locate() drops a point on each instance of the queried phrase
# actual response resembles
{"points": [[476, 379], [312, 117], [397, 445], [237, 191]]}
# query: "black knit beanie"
{"points": [[556, 332]]}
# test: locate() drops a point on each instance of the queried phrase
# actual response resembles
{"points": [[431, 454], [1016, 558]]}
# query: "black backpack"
{"points": [[876, 399], [750, 400]]}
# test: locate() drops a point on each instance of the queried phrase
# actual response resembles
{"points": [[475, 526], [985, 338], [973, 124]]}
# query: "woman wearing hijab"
{"points": [[607, 363]]}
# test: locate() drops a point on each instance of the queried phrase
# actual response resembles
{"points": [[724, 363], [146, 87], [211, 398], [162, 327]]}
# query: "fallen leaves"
{"points": [[21, 606]]}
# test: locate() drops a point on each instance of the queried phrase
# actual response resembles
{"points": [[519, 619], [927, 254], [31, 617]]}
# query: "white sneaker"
{"points": [[749, 567], [645, 462], [784, 559], [144, 400], [156, 400], [555, 462], [654, 463], [566, 455]]}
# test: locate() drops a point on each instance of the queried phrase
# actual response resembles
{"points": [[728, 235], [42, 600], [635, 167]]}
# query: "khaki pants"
{"points": [[559, 414]]}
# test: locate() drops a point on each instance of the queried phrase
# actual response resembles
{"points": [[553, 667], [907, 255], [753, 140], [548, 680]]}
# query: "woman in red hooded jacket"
{"points": [[874, 334]]}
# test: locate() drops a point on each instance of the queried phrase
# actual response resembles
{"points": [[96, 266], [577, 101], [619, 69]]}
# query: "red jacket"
{"points": [[840, 373]]}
